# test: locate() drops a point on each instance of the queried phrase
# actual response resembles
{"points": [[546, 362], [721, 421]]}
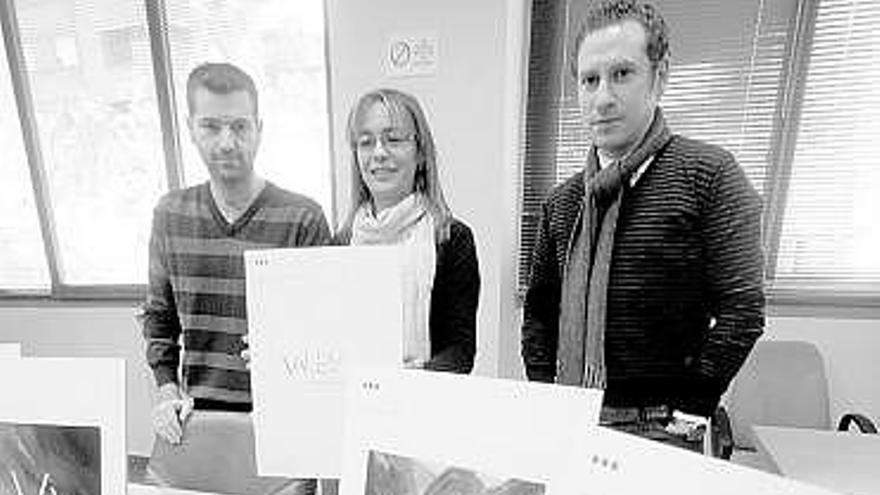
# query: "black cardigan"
{"points": [[454, 298], [685, 295]]}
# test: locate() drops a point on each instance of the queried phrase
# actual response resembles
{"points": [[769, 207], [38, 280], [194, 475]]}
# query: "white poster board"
{"points": [[412, 431], [607, 462], [62, 426], [311, 312]]}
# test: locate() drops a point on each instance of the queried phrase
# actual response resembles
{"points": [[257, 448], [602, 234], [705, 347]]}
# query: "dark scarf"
{"points": [[583, 302]]}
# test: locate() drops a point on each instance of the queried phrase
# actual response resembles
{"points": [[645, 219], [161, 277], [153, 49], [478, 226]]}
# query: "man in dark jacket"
{"points": [[647, 274]]}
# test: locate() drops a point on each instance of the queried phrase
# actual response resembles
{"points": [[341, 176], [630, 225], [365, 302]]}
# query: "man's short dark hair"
{"points": [[604, 13], [219, 78]]}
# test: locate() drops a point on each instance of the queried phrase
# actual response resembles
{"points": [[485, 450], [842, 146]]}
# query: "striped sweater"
{"points": [[685, 296], [197, 286]]}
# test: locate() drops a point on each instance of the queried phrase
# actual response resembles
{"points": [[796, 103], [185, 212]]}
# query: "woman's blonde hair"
{"points": [[426, 181]]}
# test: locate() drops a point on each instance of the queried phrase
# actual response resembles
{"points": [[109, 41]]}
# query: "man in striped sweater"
{"points": [[647, 274], [196, 272]]}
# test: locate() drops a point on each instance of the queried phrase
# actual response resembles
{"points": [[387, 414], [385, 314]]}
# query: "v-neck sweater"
{"points": [[197, 284]]}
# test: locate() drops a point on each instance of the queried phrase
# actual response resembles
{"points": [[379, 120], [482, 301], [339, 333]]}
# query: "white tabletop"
{"points": [[845, 462]]}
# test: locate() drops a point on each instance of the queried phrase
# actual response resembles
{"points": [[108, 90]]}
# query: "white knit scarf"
{"points": [[409, 225]]}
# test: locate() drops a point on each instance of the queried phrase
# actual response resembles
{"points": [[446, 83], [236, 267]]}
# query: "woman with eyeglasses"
{"points": [[397, 199]]}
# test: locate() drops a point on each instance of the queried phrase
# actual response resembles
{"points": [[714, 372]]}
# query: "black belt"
{"points": [[220, 405], [640, 414]]}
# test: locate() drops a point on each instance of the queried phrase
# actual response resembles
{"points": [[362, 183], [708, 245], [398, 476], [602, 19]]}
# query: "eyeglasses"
{"points": [[391, 140], [241, 127]]}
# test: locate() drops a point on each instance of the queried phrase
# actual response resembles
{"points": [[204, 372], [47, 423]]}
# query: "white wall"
{"points": [[472, 104]]}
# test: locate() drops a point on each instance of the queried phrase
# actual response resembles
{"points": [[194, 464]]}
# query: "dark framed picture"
{"points": [[390, 474], [47, 459]]}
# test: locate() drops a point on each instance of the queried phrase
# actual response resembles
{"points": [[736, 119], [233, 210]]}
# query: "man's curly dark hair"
{"points": [[605, 13]]}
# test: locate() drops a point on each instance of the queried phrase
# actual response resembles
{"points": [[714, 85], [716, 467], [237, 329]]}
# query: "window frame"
{"points": [[160, 55], [31, 141]]}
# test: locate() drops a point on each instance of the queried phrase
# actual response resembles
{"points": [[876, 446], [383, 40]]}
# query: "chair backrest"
{"points": [[216, 455], [782, 383]]}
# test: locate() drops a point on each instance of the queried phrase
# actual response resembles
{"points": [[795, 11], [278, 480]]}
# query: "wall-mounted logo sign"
{"points": [[408, 55]]}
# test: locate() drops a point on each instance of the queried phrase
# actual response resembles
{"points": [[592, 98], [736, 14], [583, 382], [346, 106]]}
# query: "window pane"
{"points": [[22, 258], [91, 77], [280, 43], [830, 230]]}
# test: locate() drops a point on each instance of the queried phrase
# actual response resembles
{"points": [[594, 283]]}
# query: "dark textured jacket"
{"points": [[685, 296], [454, 298]]}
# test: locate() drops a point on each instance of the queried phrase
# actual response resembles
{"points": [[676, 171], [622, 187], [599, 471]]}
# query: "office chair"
{"points": [[782, 383], [217, 455]]}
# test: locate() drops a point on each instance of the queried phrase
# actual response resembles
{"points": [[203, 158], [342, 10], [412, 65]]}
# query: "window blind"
{"points": [[830, 234]]}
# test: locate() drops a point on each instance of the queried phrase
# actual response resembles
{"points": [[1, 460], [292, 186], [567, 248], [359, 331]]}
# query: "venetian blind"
{"points": [[830, 233]]}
